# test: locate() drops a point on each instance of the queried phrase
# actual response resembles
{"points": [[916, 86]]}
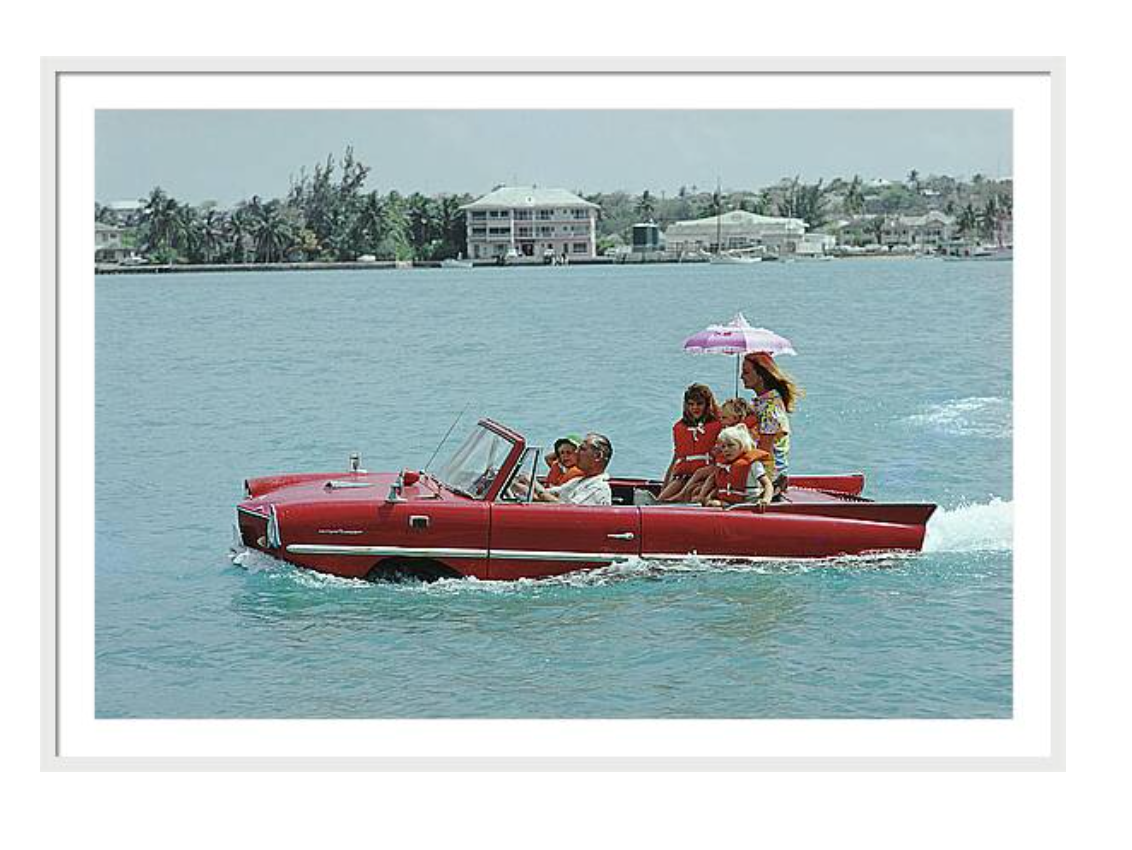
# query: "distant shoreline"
{"points": [[390, 265]]}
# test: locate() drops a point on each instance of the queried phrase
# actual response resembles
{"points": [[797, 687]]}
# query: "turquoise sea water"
{"points": [[205, 379]]}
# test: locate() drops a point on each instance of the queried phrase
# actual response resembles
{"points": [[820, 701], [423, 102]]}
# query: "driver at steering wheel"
{"points": [[592, 488]]}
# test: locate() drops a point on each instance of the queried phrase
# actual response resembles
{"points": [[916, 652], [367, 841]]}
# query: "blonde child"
{"points": [[739, 475], [731, 412]]}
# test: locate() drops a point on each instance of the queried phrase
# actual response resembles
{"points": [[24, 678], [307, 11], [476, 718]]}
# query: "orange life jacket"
{"points": [[692, 444], [733, 482], [559, 475]]}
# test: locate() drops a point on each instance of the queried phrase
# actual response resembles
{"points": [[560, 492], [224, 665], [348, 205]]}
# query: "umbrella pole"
{"points": [[738, 367]]}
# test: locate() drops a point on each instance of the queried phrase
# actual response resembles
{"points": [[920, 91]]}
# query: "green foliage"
{"points": [[807, 201], [327, 214]]}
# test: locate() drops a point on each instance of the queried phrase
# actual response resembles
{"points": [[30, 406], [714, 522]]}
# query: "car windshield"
{"points": [[474, 465]]}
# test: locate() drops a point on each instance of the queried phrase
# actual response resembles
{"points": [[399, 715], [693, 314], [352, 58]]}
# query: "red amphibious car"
{"points": [[468, 519]]}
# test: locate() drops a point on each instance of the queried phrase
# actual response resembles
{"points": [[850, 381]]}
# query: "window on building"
{"points": [[522, 215], [581, 248], [478, 215], [545, 215]]}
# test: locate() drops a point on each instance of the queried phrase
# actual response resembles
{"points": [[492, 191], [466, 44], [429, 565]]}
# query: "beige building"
{"points": [[925, 231], [527, 221]]}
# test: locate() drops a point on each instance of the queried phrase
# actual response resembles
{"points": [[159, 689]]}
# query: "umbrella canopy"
{"points": [[737, 337]]}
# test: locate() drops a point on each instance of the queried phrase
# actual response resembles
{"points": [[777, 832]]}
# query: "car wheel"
{"points": [[403, 570]]}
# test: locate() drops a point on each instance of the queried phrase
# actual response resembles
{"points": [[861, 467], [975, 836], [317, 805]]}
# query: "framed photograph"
{"points": [[501, 414]]}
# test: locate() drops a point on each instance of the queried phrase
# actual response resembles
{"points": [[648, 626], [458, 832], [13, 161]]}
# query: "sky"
{"points": [[229, 155]]}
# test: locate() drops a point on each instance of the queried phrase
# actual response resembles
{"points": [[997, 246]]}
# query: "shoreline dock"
{"points": [[391, 265]]}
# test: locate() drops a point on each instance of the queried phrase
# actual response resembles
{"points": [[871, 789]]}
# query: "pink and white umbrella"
{"points": [[737, 337]]}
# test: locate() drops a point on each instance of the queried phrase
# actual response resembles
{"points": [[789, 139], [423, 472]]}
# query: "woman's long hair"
{"points": [[775, 379], [700, 392]]}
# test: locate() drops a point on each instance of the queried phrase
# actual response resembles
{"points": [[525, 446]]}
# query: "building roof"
{"points": [[126, 206], [927, 218], [520, 197], [736, 219]]}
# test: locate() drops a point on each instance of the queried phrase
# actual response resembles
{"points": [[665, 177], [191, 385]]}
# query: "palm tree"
{"points": [[646, 206], [854, 197], [240, 227], [421, 224], [394, 228], [452, 226], [185, 232], [157, 219], [274, 233], [804, 201], [369, 225], [1005, 213], [968, 220], [876, 227], [988, 218], [212, 230], [763, 203]]}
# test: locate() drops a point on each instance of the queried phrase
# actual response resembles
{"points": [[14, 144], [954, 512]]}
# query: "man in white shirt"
{"points": [[594, 454]]}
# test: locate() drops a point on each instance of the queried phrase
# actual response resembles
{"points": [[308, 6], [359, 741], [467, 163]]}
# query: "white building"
{"points": [[109, 245], [816, 245], [531, 222], [734, 230], [126, 212]]}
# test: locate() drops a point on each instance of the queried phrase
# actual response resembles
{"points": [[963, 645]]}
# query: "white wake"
{"points": [[985, 527]]}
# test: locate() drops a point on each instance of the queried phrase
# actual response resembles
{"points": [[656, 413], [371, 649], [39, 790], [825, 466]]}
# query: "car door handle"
{"points": [[625, 535]]}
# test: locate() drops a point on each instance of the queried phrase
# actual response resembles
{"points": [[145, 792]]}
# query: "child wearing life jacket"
{"points": [[776, 393], [563, 462], [731, 412], [739, 475], [692, 438]]}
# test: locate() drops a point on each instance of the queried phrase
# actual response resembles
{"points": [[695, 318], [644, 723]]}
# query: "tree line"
{"points": [[979, 205], [328, 215]]}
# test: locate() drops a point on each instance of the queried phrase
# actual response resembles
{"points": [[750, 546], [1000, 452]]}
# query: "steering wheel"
{"points": [[479, 487]]}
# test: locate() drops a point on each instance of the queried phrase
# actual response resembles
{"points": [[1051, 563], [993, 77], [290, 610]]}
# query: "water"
{"points": [[204, 379]]}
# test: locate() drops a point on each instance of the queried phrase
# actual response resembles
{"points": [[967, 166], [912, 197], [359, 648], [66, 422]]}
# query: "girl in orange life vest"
{"points": [[563, 462], [731, 412], [775, 395], [692, 438], [740, 475]]}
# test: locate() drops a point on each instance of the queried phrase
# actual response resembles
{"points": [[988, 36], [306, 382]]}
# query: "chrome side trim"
{"points": [[326, 549], [521, 555]]}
